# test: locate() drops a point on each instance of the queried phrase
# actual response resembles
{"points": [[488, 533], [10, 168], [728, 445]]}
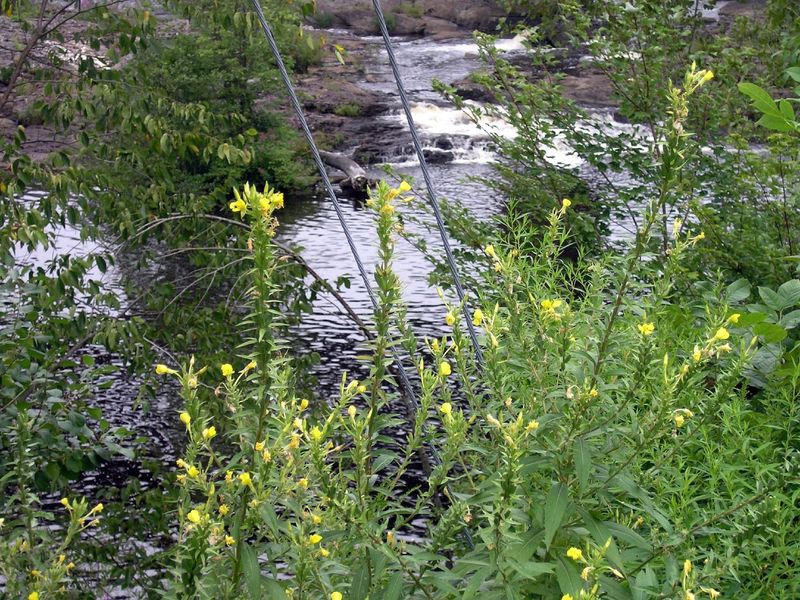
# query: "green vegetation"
{"points": [[348, 110], [633, 434]]}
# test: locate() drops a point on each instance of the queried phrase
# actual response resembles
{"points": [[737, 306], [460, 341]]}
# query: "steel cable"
{"points": [[402, 375], [428, 183]]}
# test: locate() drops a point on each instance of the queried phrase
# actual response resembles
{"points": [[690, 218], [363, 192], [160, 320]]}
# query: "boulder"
{"points": [[437, 157], [339, 96]]}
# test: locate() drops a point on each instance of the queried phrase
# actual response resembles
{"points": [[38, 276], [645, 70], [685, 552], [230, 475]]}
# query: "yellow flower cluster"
{"points": [[267, 201]]}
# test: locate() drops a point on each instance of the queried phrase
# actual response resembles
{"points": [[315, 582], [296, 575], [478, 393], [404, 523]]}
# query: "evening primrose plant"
{"points": [[576, 463]]}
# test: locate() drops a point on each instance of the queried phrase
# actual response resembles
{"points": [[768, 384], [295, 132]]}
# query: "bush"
{"points": [[596, 453]]}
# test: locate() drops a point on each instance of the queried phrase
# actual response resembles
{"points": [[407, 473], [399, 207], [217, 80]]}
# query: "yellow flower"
{"points": [[36, 573], [277, 199], [390, 537], [314, 539], [186, 419], [532, 425], [227, 370], [477, 317], [700, 236], [303, 404], [316, 519], [316, 434], [193, 516], [249, 367], [697, 355], [351, 410], [585, 573], [336, 595], [97, 509], [361, 389], [708, 75], [566, 203], [70, 566], [164, 370], [35, 596], [687, 566], [229, 541], [228, 476], [551, 305], [244, 477], [266, 455], [646, 328], [490, 251], [593, 393], [387, 210], [450, 319], [712, 593], [734, 318], [446, 409], [223, 509], [567, 597], [65, 502], [722, 334], [404, 187], [444, 368], [575, 553], [294, 443], [259, 446], [324, 553], [303, 483], [193, 471], [238, 206], [209, 433], [679, 420]]}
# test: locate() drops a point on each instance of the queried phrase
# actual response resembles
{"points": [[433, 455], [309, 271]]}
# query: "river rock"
{"points": [[590, 88], [436, 156], [338, 96], [443, 143], [436, 18], [469, 90]]}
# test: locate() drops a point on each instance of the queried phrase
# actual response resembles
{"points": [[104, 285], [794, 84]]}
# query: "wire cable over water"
{"points": [[405, 383], [428, 182]]}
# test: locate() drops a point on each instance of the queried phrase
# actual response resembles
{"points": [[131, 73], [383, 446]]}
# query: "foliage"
{"points": [[636, 49], [597, 454]]}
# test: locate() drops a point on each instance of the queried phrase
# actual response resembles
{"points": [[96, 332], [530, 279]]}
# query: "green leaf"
{"points": [[738, 291], [554, 509], [531, 570], [790, 292], [359, 590], [776, 123], [569, 580], [394, 589], [761, 99], [476, 581], [790, 320], [274, 590], [794, 73], [252, 573], [770, 332], [751, 319], [786, 110], [583, 462], [771, 299]]}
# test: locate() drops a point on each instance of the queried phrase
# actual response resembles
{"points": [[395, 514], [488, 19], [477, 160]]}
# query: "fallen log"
{"points": [[356, 175]]}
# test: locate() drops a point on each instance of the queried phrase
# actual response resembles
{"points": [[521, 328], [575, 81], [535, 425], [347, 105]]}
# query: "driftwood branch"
{"points": [[356, 175]]}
